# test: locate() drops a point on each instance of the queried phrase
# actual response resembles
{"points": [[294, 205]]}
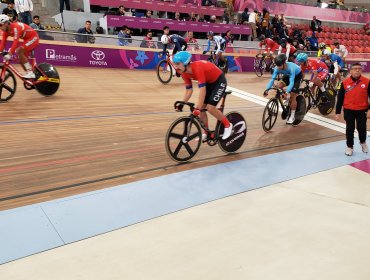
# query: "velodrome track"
{"points": [[105, 128]]}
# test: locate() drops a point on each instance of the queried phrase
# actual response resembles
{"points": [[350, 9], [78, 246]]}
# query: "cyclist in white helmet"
{"points": [[220, 45]]}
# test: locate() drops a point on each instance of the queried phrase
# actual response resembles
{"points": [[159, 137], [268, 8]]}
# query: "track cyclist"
{"points": [[335, 64], [270, 45], [177, 40], [212, 85], [319, 71], [288, 49], [220, 45], [292, 76], [19, 30]]}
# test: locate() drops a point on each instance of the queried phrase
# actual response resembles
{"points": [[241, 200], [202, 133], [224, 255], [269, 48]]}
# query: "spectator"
{"points": [[36, 24], [314, 43], [148, 14], [229, 38], [367, 28], [148, 41], [124, 36], [10, 11], [192, 17], [194, 46], [252, 24], [316, 24], [225, 17], [212, 19], [340, 50], [121, 11], [265, 21], [61, 5], [87, 32], [207, 3], [177, 17], [245, 16], [24, 9], [353, 96], [201, 18]]}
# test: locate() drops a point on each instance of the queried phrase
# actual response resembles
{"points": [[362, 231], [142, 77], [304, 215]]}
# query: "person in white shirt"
{"points": [[340, 50], [24, 9], [252, 24]]}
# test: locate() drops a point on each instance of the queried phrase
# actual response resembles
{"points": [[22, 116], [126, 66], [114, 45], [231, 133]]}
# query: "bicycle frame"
{"points": [[170, 62], [7, 65]]}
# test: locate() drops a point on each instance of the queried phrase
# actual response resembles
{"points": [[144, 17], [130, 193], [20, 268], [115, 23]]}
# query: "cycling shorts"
{"points": [[30, 44], [216, 90], [297, 81], [322, 75]]}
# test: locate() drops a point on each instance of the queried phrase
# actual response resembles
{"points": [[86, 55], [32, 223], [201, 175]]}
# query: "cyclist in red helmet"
{"points": [[19, 30]]}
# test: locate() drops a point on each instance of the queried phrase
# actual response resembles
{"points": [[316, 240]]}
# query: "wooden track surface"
{"points": [[106, 127]]}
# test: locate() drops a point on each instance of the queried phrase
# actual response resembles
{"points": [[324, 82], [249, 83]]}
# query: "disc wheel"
{"points": [[270, 114], [301, 110], [237, 138], [8, 86], [183, 139], [325, 108], [51, 85], [164, 71]]}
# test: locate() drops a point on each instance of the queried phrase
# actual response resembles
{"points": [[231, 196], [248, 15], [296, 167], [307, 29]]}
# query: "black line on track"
{"points": [[152, 169]]}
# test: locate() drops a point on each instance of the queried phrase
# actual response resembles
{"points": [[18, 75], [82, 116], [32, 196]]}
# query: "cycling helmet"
{"points": [[336, 43], [184, 57], [164, 39], [4, 19], [301, 58], [209, 33], [322, 45], [326, 52], [280, 59]]}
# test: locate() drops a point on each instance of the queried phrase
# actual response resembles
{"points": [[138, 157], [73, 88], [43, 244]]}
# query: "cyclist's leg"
{"points": [[293, 97], [24, 50]]}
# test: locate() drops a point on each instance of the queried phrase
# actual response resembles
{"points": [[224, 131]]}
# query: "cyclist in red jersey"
{"points": [[19, 30], [318, 68], [288, 49], [270, 45], [212, 85]]}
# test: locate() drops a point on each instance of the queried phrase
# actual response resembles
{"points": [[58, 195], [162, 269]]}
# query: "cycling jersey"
{"points": [[320, 52], [19, 30], [220, 44], [289, 50], [341, 51], [178, 41], [270, 44], [292, 70], [204, 72], [316, 65], [336, 58]]}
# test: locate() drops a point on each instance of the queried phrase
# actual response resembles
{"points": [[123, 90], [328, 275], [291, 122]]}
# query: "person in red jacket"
{"points": [[19, 30], [354, 96], [212, 85]]}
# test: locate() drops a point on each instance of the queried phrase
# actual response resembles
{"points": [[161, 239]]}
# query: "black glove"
{"points": [[266, 92], [179, 107], [204, 52]]}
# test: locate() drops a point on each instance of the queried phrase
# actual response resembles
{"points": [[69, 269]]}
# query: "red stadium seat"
{"points": [[367, 49]]}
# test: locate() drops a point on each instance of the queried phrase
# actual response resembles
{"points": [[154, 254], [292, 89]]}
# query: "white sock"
{"points": [[292, 114], [322, 89], [28, 67]]}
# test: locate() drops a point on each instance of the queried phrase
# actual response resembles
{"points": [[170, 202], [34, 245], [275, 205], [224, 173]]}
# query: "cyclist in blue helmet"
{"points": [[212, 85], [220, 45]]}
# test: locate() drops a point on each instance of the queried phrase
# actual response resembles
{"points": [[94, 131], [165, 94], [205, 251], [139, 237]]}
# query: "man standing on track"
{"points": [[354, 96]]}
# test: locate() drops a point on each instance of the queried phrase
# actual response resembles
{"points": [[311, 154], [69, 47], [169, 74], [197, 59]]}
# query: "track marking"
{"points": [[316, 119]]}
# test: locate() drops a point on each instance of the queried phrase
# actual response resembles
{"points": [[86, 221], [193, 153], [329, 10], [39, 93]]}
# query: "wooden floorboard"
{"points": [[106, 127]]}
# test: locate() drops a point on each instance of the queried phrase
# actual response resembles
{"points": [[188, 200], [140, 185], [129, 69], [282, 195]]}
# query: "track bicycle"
{"points": [[215, 59], [166, 69], [184, 136], [263, 63], [323, 102], [46, 81], [271, 110]]}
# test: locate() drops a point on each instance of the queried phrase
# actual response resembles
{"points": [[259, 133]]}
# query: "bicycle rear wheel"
{"points": [[183, 139], [259, 66], [164, 71], [270, 114], [50, 86], [301, 110], [237, 138], [325, 108], [8, 86]]}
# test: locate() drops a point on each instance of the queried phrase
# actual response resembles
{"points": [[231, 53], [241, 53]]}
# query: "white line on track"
{"points": [[316, 119]]}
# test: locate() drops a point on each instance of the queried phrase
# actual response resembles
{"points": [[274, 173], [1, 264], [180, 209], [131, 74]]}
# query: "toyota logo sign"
{"points": [[97, 55]]}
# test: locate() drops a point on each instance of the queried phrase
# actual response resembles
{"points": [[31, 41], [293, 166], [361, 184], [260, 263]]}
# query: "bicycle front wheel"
{"points": [[164, 71], [8, 86], [183, 139], [325, 108], [270, 114]]}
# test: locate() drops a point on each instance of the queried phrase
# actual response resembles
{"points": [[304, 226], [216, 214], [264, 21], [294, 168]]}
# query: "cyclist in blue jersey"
{"points": [[335, 64], [220, 45], [292, 77], [177, 40]]}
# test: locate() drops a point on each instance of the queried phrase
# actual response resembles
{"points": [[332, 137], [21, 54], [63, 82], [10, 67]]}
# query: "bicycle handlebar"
{"points": [[191, 105]]}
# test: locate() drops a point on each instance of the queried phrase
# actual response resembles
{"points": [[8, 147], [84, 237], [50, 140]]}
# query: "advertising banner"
{"points": [[158, 24]]}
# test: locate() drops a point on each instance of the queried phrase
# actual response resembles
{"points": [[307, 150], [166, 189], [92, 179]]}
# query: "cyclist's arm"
{"points": [[291, 82], [314, 75], [287, 52], [208, 46], [280, 49], [201, 97], [189, 88], [3, 41], [336, 67], [345, 52], [16, 37], [271, 82]]}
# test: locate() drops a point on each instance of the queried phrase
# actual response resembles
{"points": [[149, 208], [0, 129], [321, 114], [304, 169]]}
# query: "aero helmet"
{"points": [[164, 39], [322, 45], [301, 58], [209, 33], [184, 57], [280, 59], [4, 19]]}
